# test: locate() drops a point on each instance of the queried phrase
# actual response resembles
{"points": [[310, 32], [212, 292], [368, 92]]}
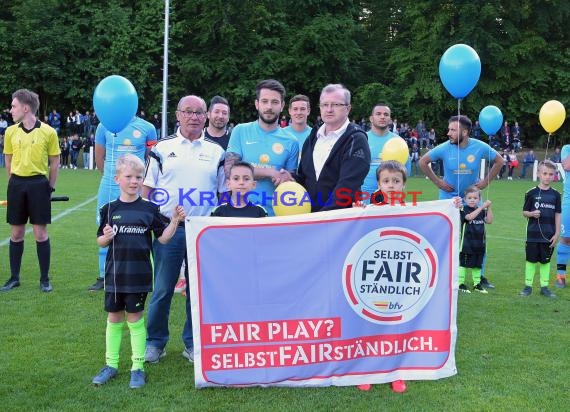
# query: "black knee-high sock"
{"points": [[44, 251], [16, 252]]}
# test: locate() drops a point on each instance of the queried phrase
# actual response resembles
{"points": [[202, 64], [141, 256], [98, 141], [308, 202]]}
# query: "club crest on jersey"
{"points": [[277, 148]]}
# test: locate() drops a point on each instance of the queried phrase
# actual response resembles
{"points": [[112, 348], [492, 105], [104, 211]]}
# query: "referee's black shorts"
{"points": [[28, 198], [538, 252]]}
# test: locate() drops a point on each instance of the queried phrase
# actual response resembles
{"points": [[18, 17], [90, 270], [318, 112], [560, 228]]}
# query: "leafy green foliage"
{"points": [[383, 50]]}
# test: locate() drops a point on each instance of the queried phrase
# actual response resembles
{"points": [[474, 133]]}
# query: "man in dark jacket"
{"points": [[335, 157]]}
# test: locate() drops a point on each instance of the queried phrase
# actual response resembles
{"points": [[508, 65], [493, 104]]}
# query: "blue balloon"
{"points": [[115, 101], [490, 119], [459, 70]]}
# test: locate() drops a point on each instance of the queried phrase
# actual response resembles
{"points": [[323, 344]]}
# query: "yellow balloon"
{"points": [[552, 115], [291, 199], [396, 149]]}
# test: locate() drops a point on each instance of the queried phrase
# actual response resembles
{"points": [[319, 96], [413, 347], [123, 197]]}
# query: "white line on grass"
{"points": [[62, 214]]}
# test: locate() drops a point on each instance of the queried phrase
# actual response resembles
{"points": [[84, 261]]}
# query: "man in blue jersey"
{"points": [[378, 135], [136, 138], [299, 110], [270, 149], [461, 158], [563, 250]]}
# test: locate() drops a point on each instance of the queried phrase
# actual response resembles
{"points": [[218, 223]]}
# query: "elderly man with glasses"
{"points": [[184, 169]]}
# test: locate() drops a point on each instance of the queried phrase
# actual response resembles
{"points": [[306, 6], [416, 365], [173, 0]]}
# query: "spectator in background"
{"points": [[54, 120], [505, 167], [86, 124], [77, 122], [157, 123], [506, 136], [65, 147], [555, 157], [431, 138], [88, 143], [76, 145], [414, 157], [319, 121], [516, 134], [528, 161], [8, 116], [513, 162], [69, 123], [2, 162], [3, 125], [394, 127], [477, 130], [94, 124]]}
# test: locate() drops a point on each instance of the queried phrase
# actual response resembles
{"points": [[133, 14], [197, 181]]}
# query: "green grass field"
{"points": [[511, 351]]}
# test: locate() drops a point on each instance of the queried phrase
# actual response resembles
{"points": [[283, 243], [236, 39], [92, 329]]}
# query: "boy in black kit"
{"points": [[473, 221], [542, 208], [126, 225], [240, 184]]}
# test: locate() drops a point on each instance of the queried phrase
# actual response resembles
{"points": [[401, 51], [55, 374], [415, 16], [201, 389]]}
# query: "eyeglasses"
{"points": [[332, 105], [189, 113]]}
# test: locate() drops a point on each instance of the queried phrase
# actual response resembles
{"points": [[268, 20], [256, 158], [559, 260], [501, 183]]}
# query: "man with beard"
{"points": [[271, 150], [218, 118], [461, 157], [378, 135]]}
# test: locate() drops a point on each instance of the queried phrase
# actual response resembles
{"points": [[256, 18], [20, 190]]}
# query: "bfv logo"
{"points": [[395, 305]]}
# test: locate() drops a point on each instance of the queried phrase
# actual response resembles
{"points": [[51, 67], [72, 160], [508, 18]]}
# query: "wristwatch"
{"points": [[52, 189]]}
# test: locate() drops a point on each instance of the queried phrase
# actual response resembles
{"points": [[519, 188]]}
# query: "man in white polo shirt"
{"points": [[185, 168]]}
